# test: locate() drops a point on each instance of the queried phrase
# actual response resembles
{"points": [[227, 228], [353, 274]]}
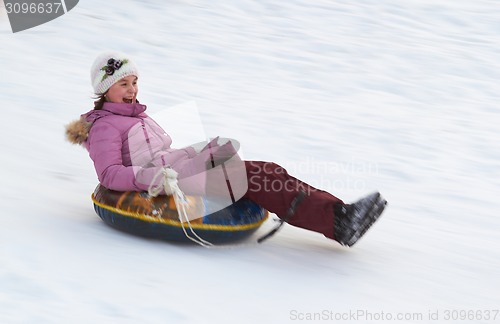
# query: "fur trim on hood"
{"points": [[77, 131]]}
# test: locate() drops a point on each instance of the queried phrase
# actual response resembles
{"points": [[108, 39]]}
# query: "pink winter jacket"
{"points": [[129, 148]]}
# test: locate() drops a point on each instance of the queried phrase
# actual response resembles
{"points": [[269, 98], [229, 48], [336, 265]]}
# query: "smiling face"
{"points": [[123, 91]]}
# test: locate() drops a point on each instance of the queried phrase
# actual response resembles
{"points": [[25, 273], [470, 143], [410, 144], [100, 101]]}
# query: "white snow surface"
{"points": [[351, 96]]}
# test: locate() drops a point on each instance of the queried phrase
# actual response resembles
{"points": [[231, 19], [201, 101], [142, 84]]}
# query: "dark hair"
{"points": [[101, 99]]}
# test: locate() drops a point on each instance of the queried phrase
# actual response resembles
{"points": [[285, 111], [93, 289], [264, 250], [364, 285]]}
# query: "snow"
{"points": [[351, 96]]}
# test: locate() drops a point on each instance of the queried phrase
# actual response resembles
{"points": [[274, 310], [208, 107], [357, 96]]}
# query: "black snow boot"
{"points": [[353, 220]]}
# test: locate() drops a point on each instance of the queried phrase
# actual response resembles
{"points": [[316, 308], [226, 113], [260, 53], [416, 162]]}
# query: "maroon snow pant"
{"points": [[271, 187]]}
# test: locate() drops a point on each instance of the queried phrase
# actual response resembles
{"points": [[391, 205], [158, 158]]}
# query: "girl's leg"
{"points": [[270, 186]]}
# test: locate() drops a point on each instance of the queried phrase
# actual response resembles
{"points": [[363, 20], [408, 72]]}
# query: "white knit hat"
{"points": [[110, 67]]}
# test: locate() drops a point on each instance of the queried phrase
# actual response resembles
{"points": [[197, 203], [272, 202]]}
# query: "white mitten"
{"points": [[168, 184], [170, 180]]}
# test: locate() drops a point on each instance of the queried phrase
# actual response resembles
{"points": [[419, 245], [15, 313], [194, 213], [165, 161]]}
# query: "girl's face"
{"points": [[123, 91]]}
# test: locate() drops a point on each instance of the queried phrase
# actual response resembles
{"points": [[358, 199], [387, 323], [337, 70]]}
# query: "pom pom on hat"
{"points": [[110, 67]]}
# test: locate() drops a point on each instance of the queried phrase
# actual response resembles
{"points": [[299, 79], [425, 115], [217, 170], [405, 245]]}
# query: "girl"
{"points": [[129, 150]]}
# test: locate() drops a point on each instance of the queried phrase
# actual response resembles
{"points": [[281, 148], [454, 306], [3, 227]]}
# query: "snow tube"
{"points": [[156, 217]]}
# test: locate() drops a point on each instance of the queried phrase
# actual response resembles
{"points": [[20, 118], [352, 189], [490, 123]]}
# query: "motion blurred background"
{"points": [[350, 96]]}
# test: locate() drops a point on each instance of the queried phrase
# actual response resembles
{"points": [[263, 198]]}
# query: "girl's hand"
{"points": [[213, 143], [221, 154]]}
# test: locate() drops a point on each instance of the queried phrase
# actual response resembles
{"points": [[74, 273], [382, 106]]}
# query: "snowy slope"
{"points": [[352, 96]]}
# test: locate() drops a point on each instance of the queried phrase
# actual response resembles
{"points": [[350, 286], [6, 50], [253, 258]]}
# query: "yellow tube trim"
{"points": [[176, 223]]}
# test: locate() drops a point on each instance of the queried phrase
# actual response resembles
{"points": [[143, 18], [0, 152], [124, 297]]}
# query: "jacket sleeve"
{"points": [[105, 149], [190, 151]]}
